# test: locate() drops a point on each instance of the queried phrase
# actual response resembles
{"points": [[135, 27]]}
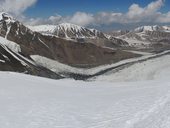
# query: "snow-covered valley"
{"points": [[34, 102], [157, 68], [126, 77]]}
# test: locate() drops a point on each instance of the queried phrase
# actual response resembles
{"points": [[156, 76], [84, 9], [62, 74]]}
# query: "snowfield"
{"points": [[154, 69], [11, 45], [34, 102], [58, 67]]}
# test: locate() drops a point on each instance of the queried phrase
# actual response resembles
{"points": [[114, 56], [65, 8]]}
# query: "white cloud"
{"points": [[55, 19], [146, 14], [82, 18], [79, 18], [135, 14], [163, 18], [16, 7]]}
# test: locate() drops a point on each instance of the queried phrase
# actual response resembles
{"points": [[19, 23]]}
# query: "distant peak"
{"points": [[70, 26], [147, 28]]}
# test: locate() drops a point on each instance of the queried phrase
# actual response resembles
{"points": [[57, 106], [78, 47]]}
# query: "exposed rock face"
{"points": [[81, 34], [65, 51], [18, 43], [10, 61], [67, 30]]}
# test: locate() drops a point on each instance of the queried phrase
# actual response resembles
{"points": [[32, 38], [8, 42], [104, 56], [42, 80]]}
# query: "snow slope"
{"points": [[45, 29], [58, 67], [33, 102], [11, 45], [152, 28], [153, 69]]}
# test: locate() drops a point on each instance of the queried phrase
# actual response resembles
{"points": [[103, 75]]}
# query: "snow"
{"points": [[154, 69], [58, 67], [72, 28], [138, 52], [14, 47], [25, 59], [8, 17], [11, 53], [50, 29], [166, 28], [137, 43], [69, 26], [1, 16], [42, 42], [152, 28], [137, 40], [77, 31], [147, 28], [34, 102], [11, 45], [8, 30], [43, 28], [2, 61]]}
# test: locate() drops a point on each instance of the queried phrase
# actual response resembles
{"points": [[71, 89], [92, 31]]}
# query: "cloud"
{"points": [[53, 20], [79, 18], [146, 14], [163, 18], [82, 18], [135, 14], [108, 18], [16, 7]]}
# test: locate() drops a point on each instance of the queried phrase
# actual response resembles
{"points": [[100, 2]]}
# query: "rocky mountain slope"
{"points": [[68, 50], [23, 43], [148, 37], [80, 34], [69, 31]]}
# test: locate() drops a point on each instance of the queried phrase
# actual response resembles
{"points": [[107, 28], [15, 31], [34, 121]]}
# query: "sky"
{"points": [[45, 8], [97, 13]]}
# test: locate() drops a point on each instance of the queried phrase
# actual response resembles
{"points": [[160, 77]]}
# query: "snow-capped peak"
{"points": [[7, 17], [68, 30], [166, 28], [45, 29], [147, 28], [69, 26]]}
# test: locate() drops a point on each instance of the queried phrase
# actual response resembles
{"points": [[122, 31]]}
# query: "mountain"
{"points": [[44, 29], [67, 30], [80, 34], [118, 33], [28, 50], [68, 50], [155, 38], [152, 28]]}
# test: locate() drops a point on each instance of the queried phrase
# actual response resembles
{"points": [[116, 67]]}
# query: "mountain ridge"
{"points": [[25, 43]]}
